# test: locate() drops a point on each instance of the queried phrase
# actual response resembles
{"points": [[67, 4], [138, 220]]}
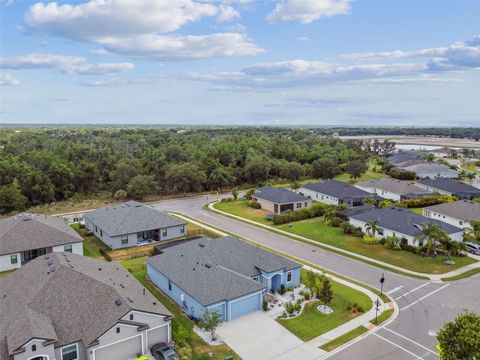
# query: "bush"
{"points": [[181, 336], [265, 305], [302, 214], [282, 289], [120, 194], [367, 239], [254, 204], [427, 201], [336, 222], [292, 307], [402, 175], [224, 200], [185, 352]]}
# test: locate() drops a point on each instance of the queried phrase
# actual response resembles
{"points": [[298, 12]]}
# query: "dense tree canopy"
{"points": [[55, 164]]}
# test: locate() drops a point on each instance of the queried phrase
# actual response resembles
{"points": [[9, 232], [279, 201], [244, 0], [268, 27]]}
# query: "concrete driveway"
{"points": [[256, 336]]}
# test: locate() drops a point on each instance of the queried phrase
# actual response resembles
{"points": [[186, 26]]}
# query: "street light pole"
{"points": [[382, 280]]}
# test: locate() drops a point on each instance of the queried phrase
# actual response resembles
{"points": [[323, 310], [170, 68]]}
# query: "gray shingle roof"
{"points": [[278, 195], [450, 185], [405, 156], [130, 217], [400, 187], [461, 209], [213, 270], [30, 231], [402, 220], [428, 167], [337, 189], [74, 302]]}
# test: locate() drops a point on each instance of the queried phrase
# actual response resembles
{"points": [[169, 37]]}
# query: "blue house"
{"points": [[226, 274]]}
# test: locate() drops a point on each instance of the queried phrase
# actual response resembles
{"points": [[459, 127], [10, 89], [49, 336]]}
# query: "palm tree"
{"points": [[470, 177], [371, 227], [430, 236]]}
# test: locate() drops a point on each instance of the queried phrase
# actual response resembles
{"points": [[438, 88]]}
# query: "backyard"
{"points": [[311, 323], [317, 230]]}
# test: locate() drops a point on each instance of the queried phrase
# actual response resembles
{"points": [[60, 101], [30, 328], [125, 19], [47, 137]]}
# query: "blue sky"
{"points": [[244, 62]]}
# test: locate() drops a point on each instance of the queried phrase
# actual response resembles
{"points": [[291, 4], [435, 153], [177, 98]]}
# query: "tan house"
{"points": [[279, 199]]}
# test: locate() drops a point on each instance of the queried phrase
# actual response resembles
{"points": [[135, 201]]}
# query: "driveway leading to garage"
{"points": [[256, 336]]}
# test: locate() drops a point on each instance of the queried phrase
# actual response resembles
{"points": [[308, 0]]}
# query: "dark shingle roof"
{"points": [[337, 189], [461, 209], [450, 185], [278, 195], [30, 231], [402, 220], [405, 156], [130, 217], [67, 297], [213, 270]]}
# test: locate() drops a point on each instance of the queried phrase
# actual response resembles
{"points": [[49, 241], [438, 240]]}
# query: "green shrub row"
{"points": [[428, 200], [302, 214]]}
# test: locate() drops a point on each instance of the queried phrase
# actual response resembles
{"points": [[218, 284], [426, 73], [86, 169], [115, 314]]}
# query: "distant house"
{"points": [[401, 223], [450, 187], [25, 236], [131, 224], [458, 213], [67, 307], [334, 192], [279, 199], [428, 170], [393, 189], [227, 275], [404, 156]]}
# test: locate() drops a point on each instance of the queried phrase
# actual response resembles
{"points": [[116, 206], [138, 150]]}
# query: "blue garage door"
{"points": [[245, 305]]}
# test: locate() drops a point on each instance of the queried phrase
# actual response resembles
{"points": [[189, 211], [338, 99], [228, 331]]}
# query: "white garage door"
{"points": [[157, 335], [126, 349]]}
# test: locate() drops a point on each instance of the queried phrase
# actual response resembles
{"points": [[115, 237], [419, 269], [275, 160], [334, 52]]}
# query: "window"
{"points": [[169, 285], [164, 232], [34, 348], [131, 317], [289, 276], [67, 248], [118, 329], [299, 205], [101, 233], [428, 213], [13, 259], [380, 231], [306, 204], [461, 222], [32, 254], [70, 352], [124, 239], [255, 278], [182, 230], [96, 228]]}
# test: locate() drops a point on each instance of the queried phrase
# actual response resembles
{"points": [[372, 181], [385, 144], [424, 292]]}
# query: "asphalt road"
{"points": [[424, 306]]}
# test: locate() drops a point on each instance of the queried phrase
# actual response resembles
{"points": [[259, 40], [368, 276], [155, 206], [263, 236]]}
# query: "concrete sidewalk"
{"points": [[432, 277]]}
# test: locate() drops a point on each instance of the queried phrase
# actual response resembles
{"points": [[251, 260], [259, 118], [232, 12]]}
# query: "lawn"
{"points": [[200, 349], [317, 230], [374, 172], [240, 207], [311, 323], [6, 273], [91, 244], [352, 334]]}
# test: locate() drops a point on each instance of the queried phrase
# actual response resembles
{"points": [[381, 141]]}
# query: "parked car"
{"points": [[163, 351], [473, 248]]}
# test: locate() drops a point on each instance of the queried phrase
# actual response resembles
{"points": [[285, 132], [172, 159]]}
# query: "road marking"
{"points": [[424, 297], [414, 342], [402, 348], [411, 291], [394, 290]]}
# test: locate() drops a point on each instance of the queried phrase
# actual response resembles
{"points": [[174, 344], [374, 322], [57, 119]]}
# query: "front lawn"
{"points": [[200, 349], [317, 230], [240, 207], [311, 323], [352, 334]]}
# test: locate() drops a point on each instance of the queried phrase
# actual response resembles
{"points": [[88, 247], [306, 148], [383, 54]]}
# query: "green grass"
{"points": [[462, 276], [339, 341], [240, 207], [382, 317], [418, 211], [6, 273], [317, 230], [311, 323], [200, 349], [91, 244]]}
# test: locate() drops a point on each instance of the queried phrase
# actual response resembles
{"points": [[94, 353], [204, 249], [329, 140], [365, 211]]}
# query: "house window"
{"points": [[34, 348], [101, 233], [316, 195], [67, 248], [182, 230], [289, 276], [460, 222], [420, 243], [124, 239], [13, 259], [96, 228], [164, 232], [299, 205], [380, 231], [169, 285], [70, 352], [306, 204], [255, 278], [118, 329], [428, 213], [131, 317]]}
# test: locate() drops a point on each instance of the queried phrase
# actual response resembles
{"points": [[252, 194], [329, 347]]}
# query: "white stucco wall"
{"points": [[5, 262], [447, 219], [433, 175], [323, 198], [77, 248]]}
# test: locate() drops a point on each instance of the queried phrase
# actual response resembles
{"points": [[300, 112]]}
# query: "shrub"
{"points": [[302, 214], [282, 289], [336, 222], [402, 175], [249, 194], [265, 305], [181, 336], [224, 200], [185, 352], [254, 204], [427, 201], [292, 307], [120, 194], [367, 239]]}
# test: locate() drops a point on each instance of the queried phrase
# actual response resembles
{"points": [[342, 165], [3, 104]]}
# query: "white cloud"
{"points": [[307, 11], [73, 65], [7, 79], [227, 13], [303, 38], [100, 51]]}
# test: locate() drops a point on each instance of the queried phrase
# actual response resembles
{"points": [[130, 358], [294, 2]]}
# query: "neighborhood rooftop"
{"points": [[278, 195], [402, 221], [130, 217], [426, 167], [65, 298], [400, 187], [226, 262], [337, 189], [461, 209], [26, 231], [449, 185]]}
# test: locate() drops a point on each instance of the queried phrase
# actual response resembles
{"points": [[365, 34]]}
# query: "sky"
{"points": [[241, 62]]}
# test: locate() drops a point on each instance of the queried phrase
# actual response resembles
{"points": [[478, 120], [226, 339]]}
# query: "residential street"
{"points": [[424, 306]]}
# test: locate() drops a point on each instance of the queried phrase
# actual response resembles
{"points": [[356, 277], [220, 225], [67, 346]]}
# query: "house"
{"points": [[131, 224], [404, 156], [226, 274], [429, 170], [458, 213], [401, 223], [453, 187], [25, 236], [279, 199], [393, 189], [67, 306], [334, 192]]}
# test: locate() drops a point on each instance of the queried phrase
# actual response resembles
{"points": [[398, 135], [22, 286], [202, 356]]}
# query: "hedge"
{"points": [[428, 200], [306, 213], [402, 175]]}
